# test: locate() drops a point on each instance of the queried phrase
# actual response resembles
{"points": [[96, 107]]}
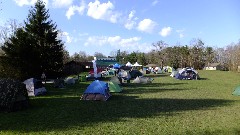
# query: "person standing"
{"points": [[43, 77]]}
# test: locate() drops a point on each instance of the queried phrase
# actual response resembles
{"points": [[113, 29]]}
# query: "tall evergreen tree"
{"points": [[45, 33], [39, 50]]}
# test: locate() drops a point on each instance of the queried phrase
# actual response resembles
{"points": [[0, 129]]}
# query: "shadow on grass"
{"points": [[59, 114], [203, 79], [154, 84], [157, 75], [68, 90], [148, 85], [150, 88]]}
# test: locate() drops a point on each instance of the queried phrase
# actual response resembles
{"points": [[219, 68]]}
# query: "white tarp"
{"points": [[70, 80], [32, 91]]}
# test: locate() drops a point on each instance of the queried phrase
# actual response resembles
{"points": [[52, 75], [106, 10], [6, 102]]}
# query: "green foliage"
{"points": [[13, 95], [132, 57], [118, 57], [99, 55], [34, 48], [142, 59], [20, 57]]}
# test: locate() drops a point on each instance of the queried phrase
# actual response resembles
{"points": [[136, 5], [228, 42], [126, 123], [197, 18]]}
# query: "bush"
{"points": [[13, 95]]}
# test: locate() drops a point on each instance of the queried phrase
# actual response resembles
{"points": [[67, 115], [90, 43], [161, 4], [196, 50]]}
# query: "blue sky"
{"points": [[133, 25]]}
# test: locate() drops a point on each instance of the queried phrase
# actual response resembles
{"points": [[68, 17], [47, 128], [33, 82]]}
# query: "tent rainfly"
{"points": [[114, 87], [97, 90], [236, 92]]}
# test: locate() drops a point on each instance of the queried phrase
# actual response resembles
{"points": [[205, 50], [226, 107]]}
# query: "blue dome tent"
{"points": [[97, 90], [116, 66]]}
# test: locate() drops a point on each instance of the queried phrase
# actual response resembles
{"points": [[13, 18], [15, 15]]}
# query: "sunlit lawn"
{"points": [[166, 106]]}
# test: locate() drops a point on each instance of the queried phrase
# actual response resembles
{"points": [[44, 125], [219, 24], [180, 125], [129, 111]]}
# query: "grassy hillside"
{"points": [[166, 106]]}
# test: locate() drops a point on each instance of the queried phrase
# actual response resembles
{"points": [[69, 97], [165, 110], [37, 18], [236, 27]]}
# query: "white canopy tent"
{"points": [[129, 64], [136, 65]]}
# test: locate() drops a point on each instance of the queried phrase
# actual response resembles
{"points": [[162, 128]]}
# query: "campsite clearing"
{"points": [[166, 106]]}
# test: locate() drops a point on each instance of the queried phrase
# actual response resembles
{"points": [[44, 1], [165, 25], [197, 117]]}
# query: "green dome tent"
{"points": [[236, 92], [114, 87]]}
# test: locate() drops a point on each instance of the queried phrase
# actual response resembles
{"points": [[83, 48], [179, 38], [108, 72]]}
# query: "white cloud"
{"points": [[180, 32], [181, 35], [155, 2], [65, 36], [71, 11], [166, 31], [102, 11], [115, 41], [61, 3], [131, 15], [83, 34], [146, 25], [131, 21], [28, 2], [72, 37]]}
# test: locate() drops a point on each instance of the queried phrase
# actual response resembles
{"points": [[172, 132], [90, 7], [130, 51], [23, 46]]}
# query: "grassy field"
{"points": [[166, 106]]}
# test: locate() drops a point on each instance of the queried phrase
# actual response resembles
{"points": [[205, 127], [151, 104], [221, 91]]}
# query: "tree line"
{"points": [[34, 47], [195, 55]]}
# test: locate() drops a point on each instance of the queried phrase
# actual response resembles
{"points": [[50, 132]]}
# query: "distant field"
{"points": [[166, 106]]}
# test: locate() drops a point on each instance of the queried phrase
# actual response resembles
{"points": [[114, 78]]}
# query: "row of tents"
{"points": [[35, 87], [101, 91]]}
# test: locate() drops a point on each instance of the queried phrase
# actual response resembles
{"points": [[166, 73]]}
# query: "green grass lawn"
{"points": [[166, 106]]}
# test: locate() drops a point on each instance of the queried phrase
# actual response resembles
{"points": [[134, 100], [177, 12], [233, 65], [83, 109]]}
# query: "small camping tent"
{"points": [[115, 80], [236, 92], [187, 74], [34, 87], [143, 80], [97, 90], [173, 74], [114, 87], [136, 80], [116, 66]]}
